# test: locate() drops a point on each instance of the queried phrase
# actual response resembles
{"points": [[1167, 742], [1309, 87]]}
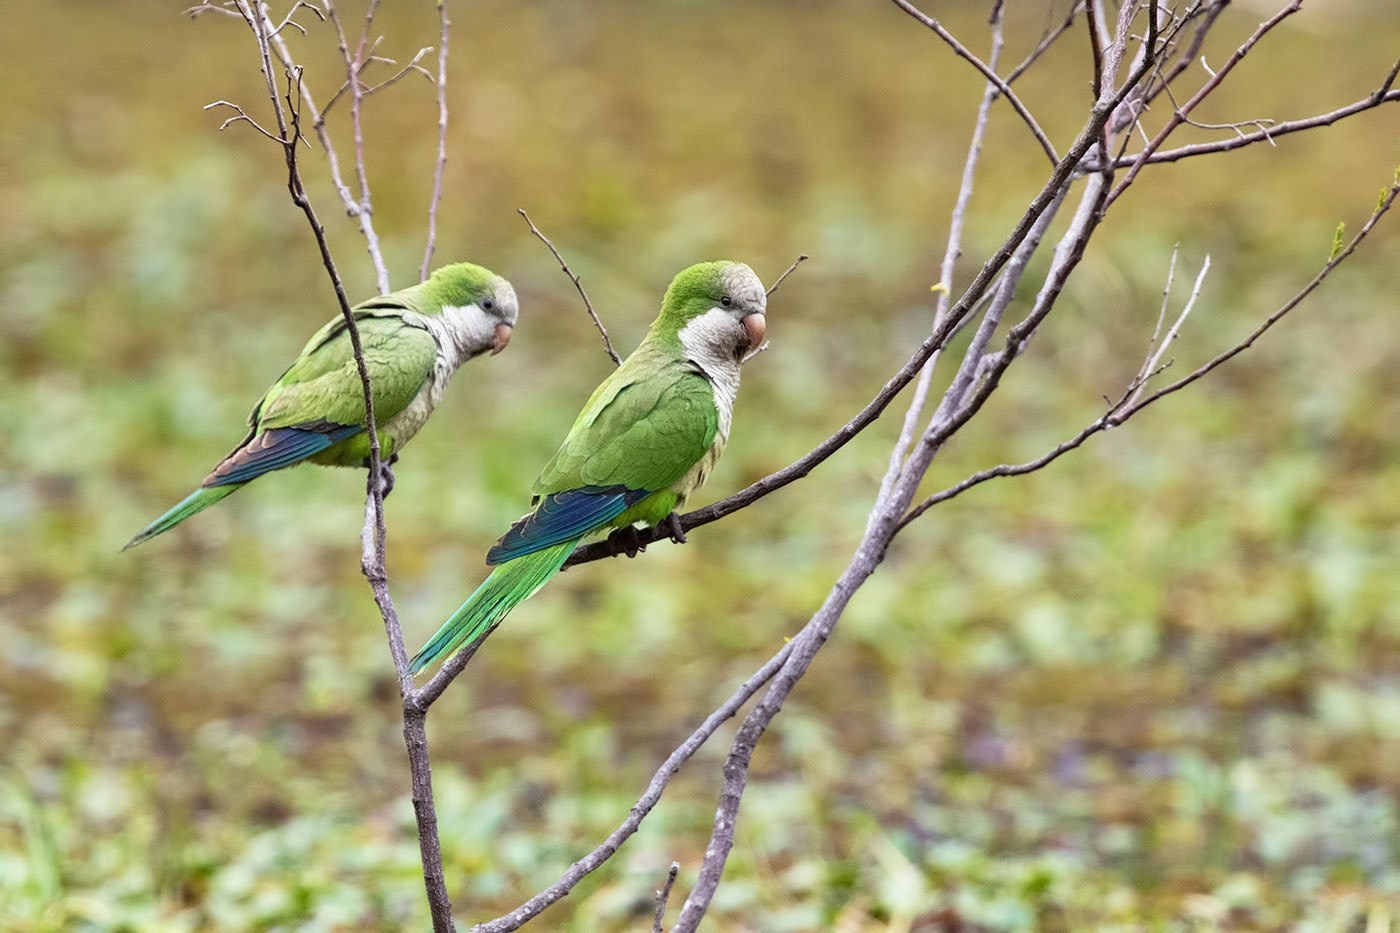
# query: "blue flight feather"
{"points": [[276, 448], [564, 516]]}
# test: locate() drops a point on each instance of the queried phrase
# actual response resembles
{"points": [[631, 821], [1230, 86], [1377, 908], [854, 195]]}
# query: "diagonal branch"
{"points": [[442, 143], [1047, 40], [657, 786], [1180, 114], [1386, 94], [578, 285], [966, 54], [1131, 403]]}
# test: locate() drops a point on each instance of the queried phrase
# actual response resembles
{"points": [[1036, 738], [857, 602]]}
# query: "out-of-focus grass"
{"points": [[1153, 687]]}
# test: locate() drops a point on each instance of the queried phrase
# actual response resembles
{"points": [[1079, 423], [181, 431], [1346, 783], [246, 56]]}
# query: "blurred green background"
{"points": [[1153, 687]]}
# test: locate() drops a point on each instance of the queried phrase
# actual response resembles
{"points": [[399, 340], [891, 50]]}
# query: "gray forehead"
{"points": [[505, 293], [741, 283]]}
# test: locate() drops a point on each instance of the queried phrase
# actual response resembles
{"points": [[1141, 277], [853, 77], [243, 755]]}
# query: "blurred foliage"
{"points": [[1154, 687]]}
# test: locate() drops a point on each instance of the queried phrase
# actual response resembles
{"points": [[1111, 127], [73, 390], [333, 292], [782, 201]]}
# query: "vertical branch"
{"points": [[372, 560], [950, 257], [318, 124], [354, 64], [442, 142]]}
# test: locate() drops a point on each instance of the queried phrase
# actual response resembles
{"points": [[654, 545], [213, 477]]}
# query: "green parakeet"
{"points": [[413, 339], [646, 440]]}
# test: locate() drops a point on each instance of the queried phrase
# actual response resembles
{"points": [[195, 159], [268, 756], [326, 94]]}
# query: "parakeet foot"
{"points": [[671, 524], [626, 541], [386, 476]]}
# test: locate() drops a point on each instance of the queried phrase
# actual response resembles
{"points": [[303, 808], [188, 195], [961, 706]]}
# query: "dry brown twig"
{"points": [[578, 286]]}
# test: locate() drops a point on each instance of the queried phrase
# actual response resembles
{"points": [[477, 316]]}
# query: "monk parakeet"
{"points": [[414, 340], [646, 440]]}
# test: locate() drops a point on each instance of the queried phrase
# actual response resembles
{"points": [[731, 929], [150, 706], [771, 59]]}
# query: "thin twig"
{"points": [[1046, 40], [1154, 361], [1180, 114], [663, 894], [803, 257], [411, 68], [762, 347], [353, 64], [241, 116], [578, 285], [1386, 95], [288, 21], [1130, 403], [442, 143], [964, 53]]}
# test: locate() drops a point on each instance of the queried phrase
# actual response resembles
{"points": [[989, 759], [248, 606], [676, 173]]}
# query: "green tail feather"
{"points": [[508, 586], [197, 501]]}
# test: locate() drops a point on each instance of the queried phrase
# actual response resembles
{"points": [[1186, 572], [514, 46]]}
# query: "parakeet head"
{"points": [[715, 307], [479, 305]]}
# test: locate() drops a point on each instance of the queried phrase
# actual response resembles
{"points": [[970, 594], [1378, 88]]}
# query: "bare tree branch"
{"points": [[373, 537], [578, 285], [442, 143], [964, 53], [1131, 402], [1385, 95], [657, 786], [1046, 40], [951, 253], [353, 65], [887, 509], [318, 124], [1180, 114]]}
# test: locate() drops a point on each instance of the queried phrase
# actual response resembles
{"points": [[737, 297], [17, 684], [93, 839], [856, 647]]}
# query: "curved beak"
{"points": [[503, 332], [756, 326]]}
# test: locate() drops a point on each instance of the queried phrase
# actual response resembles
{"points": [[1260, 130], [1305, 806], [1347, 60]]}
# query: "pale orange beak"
{"points": [[503, 332], [756, 326]]}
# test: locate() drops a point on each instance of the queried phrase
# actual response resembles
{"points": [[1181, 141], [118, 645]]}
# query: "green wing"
{"points": [[323, 385], [640, 430]]}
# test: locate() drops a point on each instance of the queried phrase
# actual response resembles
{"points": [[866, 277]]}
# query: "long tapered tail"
{"points": [[197, 501], [508, 586]]}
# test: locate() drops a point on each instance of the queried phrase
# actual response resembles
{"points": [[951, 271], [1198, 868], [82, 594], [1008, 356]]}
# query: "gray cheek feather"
{"points": [[462, 332], [711, 341]]}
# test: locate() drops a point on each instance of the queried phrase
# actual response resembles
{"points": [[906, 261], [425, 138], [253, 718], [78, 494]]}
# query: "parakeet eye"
{"points": [[726, 301], [488, 304]]}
